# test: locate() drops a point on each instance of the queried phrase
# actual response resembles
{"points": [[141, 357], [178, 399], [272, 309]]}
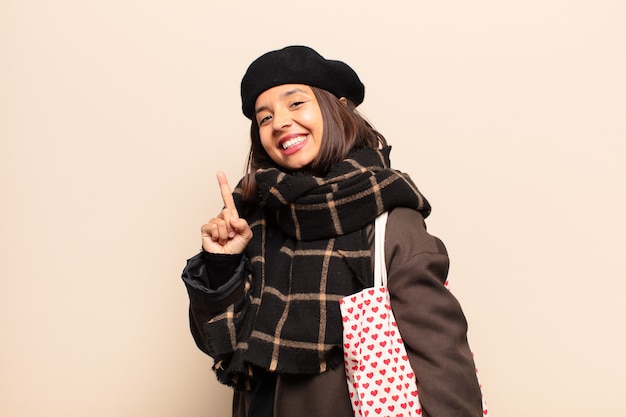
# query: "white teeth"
{"points": [[291, 142]]}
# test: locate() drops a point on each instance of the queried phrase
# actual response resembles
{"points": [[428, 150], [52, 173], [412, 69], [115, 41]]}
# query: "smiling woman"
{"points": [[114, 116], [296, 236]]}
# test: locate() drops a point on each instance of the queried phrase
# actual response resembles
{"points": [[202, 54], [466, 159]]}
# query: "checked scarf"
{"points": [[289, 321]]}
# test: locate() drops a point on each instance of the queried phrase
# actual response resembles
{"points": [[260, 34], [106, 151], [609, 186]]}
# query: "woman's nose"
{"points": [[281, 120]]}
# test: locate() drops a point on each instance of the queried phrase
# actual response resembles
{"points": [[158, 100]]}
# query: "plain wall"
{"points": [[115, 116]]}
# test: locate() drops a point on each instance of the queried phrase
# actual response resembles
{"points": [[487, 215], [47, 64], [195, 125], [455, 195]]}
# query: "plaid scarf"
{"points": [[289, 320]]}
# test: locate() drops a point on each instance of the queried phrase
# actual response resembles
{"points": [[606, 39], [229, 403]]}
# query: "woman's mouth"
{"points": [[289, 143]]}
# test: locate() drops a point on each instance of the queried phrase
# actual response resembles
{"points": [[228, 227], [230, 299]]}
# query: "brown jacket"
{"points": [[429, 318]]}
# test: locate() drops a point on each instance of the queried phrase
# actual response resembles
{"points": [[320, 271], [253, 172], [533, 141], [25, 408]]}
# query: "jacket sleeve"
{"points": [[213, 282], [430, 318]]}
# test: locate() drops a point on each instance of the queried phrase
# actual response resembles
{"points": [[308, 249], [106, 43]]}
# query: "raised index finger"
{"points": [[227, 194]]}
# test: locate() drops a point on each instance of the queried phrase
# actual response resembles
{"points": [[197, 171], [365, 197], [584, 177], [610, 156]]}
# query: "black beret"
{"points": [[298, 65]]}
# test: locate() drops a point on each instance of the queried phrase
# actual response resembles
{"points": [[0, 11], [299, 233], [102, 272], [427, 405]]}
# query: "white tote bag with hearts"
{"points": [[381, 381]]}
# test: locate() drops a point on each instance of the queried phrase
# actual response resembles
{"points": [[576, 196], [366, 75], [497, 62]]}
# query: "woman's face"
{"points": [[290, 125]]}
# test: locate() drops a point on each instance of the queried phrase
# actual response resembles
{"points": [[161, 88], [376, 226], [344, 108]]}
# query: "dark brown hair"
{"points": [[344, 129]]}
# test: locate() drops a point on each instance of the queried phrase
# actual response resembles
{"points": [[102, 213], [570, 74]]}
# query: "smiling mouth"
{"points": [[292, 142]]}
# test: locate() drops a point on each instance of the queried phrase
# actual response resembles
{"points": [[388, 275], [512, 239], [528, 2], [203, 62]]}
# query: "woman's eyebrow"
{"points": [[294, 91]]}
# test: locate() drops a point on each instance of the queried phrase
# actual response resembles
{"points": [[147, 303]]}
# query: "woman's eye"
{"points": [[265, 119], [297, 103]]}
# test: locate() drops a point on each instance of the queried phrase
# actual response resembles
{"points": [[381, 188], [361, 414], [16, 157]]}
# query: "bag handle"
{"points": [[380, 269]]}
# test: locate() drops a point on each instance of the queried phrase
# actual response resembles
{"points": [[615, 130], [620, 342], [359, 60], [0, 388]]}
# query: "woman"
{"points": [[296, 236]]}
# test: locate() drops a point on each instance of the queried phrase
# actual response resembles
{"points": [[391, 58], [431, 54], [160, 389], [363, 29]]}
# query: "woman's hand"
{"points": [[226, 233]]}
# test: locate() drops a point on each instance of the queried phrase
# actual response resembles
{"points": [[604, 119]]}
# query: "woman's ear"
{"points": [[344, 101]]}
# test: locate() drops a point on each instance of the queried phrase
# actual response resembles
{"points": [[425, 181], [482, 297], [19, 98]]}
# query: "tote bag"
{"points": [[381, 381]]}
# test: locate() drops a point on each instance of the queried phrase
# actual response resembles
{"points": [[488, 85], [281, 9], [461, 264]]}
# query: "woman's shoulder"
{"points": [[406, 232]]}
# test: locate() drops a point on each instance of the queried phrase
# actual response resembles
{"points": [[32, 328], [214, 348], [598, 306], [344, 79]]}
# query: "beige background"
{"points": [[115, 115]]}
